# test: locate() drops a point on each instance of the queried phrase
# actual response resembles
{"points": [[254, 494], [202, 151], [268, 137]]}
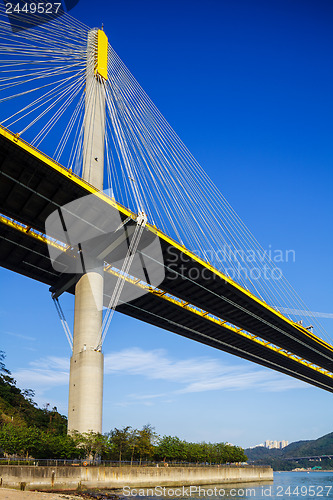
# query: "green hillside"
{"points": [[18, 408], [277, 458], [321, 446]]}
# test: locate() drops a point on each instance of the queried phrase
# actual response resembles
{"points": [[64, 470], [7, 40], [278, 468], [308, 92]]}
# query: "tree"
{"points": [[92, 444], [146, 439], [3, 369], [133, 443], [120, 441], [171, 448]]}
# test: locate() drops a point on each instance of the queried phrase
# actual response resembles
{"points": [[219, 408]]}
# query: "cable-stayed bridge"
{"points": [[81, 97]]}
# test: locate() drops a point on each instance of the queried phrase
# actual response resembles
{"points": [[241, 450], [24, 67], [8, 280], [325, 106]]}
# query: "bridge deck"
{"points": [[32, 186]]}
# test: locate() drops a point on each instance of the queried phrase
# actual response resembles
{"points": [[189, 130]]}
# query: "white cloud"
{"points": [[20, 336], [51, 363], [237, 380], [199, 374], [156, 364], [44, 374]]}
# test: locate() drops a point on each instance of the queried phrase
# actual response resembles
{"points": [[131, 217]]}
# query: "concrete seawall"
{"points": [[57, 478]]}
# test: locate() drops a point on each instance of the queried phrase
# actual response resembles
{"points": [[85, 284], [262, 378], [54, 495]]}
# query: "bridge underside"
{"points": [[211, 309]]}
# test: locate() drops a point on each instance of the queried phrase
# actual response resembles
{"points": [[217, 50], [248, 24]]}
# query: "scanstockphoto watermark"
{"points": [[237, 264], [187, 491], [278, 491], [26, 14]]}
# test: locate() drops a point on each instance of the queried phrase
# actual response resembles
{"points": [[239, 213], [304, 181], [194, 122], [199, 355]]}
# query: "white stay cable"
{"points": [[180, 196], [135, 240], [64, 323], [148, 166]]}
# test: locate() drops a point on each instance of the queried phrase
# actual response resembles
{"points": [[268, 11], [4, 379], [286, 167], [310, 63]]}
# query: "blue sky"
{"points": [[248, 88]]}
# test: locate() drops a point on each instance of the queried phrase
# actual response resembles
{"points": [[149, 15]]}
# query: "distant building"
{"points": [[275, 444], [271, 444], [261, 445]]}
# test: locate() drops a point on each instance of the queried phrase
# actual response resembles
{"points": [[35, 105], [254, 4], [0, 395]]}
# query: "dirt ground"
{"points": [[9, 494]]}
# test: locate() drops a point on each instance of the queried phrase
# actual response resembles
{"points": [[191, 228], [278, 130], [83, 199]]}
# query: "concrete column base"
{"points": [[86, 392]]}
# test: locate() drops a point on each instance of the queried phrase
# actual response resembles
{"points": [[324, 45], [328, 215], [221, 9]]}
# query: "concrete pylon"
{"points": [[87, 363]]}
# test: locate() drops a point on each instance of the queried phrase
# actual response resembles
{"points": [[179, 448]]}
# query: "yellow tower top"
{"points": [[101, 66]]}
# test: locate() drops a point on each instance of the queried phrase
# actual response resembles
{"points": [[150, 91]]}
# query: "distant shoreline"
{"points": [[321, 470]]}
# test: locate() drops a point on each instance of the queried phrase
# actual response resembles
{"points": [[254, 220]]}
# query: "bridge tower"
{"points": [[87, 363]]}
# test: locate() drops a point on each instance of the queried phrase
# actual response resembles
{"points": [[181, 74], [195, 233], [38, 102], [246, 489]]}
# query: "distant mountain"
{"points": [[320, 446], [277, 458], [260, 453]]}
